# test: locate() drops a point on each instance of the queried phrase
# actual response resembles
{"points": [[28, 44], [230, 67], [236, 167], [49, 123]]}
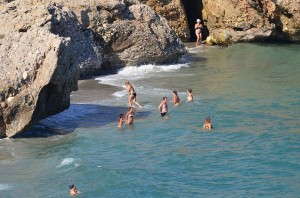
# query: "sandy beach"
{"points": [[91, 90]]}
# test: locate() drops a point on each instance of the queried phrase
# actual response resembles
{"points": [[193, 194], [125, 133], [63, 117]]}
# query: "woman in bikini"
{"points": [[131, 94], [198, 27], [129, 116]]}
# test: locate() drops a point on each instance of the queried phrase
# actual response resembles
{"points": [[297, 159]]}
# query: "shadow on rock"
{"points": [[77, 116]]}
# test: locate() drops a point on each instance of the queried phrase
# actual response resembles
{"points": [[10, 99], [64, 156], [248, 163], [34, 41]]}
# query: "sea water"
{"points": [[251, 92]]}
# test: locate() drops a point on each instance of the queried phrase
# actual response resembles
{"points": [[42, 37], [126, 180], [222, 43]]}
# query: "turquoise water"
{"points": [[250, 91]]}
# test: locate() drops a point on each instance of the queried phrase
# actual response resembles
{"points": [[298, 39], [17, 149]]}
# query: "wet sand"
{"points": [[91, 90]]}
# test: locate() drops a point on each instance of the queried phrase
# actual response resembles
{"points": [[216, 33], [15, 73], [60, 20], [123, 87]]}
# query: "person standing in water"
{"points": [[189, 95], [198, 29], [129, 116], [131, 94], [163, 107], [176, 98], [121, 120], [207, 124]]}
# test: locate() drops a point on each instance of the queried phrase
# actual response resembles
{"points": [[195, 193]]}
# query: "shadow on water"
{"points": [[77, 116]]}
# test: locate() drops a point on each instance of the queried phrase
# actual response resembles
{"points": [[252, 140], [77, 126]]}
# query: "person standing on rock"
{"points": [[131, 94], [198, 31]]}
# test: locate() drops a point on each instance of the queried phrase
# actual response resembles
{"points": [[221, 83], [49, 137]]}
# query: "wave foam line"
{"points": [[137, 72]]}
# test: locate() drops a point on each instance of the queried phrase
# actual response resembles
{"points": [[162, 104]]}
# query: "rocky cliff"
{"points": [[233, 21], [131, 33], [175, 14], [38, 69], [45, 45]]}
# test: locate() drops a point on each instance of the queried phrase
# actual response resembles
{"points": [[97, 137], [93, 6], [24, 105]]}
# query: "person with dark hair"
{"points": [[189, 95], [73, 190], [163, 107], [121, 120], [176, 98]]}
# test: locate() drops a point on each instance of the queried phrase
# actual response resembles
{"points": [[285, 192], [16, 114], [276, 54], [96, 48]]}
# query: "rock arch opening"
{"points": [[193, 10]]}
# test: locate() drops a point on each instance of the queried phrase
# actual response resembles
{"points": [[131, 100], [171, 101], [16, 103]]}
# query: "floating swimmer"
{"points": [[207, 124], [73, 190]]}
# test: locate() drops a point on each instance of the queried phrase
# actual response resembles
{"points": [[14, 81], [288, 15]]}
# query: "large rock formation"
{"points": [[175, 14], [131, 33], [230, 21], [233, 21], [43, 45], [38, 70]]}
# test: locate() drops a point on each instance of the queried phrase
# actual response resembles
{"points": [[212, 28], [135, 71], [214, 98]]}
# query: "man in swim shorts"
{"points": [[163, 107]]}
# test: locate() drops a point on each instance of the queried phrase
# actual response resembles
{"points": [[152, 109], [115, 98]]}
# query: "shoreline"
{"points": [[90, 90]]}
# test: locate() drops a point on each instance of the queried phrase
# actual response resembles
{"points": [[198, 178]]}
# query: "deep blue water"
{"points": [[250, 91]]}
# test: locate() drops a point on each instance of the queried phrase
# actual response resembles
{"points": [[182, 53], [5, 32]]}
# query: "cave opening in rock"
{"points": [[193, 10]]}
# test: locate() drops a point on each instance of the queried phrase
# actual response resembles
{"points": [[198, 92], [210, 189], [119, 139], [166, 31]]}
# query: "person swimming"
{"points": [[73, 190], [121, 120], [207, 124], [189, 95]]}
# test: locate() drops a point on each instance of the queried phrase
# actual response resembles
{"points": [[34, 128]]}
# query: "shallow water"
{"points": [[252, 94]]}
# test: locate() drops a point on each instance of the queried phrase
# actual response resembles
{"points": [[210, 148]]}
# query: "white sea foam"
{"points": [[137, 72], [4, 187], [65, 162], [120, 94]]}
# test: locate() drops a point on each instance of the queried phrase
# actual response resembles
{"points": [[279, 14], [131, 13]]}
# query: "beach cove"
{"points": [[250, 91]]}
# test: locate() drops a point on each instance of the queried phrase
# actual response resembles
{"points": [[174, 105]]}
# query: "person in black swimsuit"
{"points": [[131, 94], [198, 28]]}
